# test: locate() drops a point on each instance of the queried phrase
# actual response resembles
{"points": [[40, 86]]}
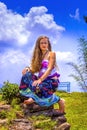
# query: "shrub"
{"points": [[9, 91], [3, 114]]}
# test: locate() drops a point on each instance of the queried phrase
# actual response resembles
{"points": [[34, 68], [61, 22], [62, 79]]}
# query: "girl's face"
{"points": [[44, 44]]}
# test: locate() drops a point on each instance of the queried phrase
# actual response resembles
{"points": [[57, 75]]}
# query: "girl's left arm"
{"points": [[52, 61]]}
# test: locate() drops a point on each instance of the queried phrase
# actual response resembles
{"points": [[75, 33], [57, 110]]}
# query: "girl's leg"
{"points": [[29, 101], [61, 104]]}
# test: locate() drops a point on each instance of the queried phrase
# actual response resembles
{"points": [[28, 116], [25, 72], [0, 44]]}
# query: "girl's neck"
{"points": [[44, 53]]}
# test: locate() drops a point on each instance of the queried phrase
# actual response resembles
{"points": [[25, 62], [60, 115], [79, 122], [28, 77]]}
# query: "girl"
{"points": [[41, 88]]}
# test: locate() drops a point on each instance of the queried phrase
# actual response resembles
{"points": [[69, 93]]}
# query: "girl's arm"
{"points": [[52, 60]]}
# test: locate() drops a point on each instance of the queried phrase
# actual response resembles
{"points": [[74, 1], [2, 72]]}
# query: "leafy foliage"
{"points": [[85, 18], [9, 91], [3, 114], [80, 69]]}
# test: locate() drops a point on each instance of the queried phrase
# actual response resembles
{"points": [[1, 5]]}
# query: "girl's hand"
{"points": [[27, 69], [36, 82], [24, 71]]}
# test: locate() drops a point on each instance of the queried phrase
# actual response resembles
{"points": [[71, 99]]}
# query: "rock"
{"points": [[5, 107], [61, 120], [3, 121], [35, 108], [21, 124], [64, 126]]}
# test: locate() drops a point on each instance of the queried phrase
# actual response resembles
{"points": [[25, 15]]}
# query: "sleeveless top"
{"points": [[44, 67]]}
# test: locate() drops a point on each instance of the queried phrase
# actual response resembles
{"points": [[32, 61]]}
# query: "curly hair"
{"points": [[37, 55]]}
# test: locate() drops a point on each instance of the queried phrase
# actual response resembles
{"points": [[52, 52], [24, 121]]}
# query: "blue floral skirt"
{"points": [[44, 94]]}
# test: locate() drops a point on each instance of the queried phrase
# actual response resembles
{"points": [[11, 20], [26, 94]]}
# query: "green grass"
{"points": [[0, 97], [43, 122], [76, 109], [76, 112]]}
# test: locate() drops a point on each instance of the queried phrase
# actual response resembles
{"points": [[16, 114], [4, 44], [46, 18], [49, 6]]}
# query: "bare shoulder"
{"points": [[52, 54]]}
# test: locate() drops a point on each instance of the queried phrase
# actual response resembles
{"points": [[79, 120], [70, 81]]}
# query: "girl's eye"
{"points": [[43, 42]]}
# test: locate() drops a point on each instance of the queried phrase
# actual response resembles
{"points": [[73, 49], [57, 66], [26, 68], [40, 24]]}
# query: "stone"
{"points": [[64, 126], [5, 107], [3, 121], [21, 124]]}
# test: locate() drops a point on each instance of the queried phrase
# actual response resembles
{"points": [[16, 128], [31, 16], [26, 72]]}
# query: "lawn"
{"points": [[76, 109]]}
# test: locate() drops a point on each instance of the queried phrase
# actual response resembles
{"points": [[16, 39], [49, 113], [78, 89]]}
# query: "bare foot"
{"points": [[28, 101]]}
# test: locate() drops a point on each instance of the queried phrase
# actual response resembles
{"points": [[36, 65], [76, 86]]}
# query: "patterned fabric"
{"points": [[44, 67], [44, 96]]}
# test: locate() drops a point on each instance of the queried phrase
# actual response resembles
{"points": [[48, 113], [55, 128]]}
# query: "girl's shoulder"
{"points": [[52, 54]]}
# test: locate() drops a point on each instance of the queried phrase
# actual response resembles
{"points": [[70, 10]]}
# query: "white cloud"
{"points": [[76, 15], [65, 56], [13, 57], [12, 63], [12, 26], [16, 29], [39, 17], [43, 23]]}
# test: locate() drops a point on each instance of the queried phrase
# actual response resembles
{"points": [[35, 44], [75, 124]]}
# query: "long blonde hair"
{"points": [[37, 55]]}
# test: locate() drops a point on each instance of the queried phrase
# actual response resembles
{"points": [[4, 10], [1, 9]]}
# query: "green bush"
{"points": [[3, 114], [9, 91]]}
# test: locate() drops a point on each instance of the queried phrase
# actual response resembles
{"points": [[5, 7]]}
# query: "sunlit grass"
{"points": [[76, 112], [76, 109], [43, 122], [0, 97], [3, 128]]}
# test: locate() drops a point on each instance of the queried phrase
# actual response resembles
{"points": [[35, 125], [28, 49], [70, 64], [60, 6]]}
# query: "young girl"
{"points": [[41, 88]]}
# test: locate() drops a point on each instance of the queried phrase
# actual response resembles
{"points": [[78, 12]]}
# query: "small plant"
{"points": [[3, 114], [15, 104], [11, 115], [9, 91]]}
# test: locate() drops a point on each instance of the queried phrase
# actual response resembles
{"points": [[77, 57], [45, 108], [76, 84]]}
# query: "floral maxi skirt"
{"points": [[44, 95]]}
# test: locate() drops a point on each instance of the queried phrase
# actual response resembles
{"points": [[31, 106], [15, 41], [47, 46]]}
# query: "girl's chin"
{"points": [[43, 49]]}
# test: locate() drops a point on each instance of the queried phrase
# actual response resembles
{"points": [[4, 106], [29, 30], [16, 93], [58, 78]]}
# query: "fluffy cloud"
{"points": [[12, 26], [13, 57], [18, 30], [12, 63], [41, 19], [65, 56]]}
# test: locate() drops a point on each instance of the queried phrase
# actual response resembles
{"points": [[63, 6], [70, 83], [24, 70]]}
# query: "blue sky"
{"points": [[22, 21]]}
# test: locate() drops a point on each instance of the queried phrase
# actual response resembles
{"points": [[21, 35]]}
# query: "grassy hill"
{"points": [[76, 110]]}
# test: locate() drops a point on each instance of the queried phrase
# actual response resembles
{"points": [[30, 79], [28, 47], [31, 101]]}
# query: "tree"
{"points": [[80, 69], [85, 18]]}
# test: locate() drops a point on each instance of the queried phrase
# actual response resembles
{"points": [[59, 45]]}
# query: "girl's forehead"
{"points": [[44, 39]]}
